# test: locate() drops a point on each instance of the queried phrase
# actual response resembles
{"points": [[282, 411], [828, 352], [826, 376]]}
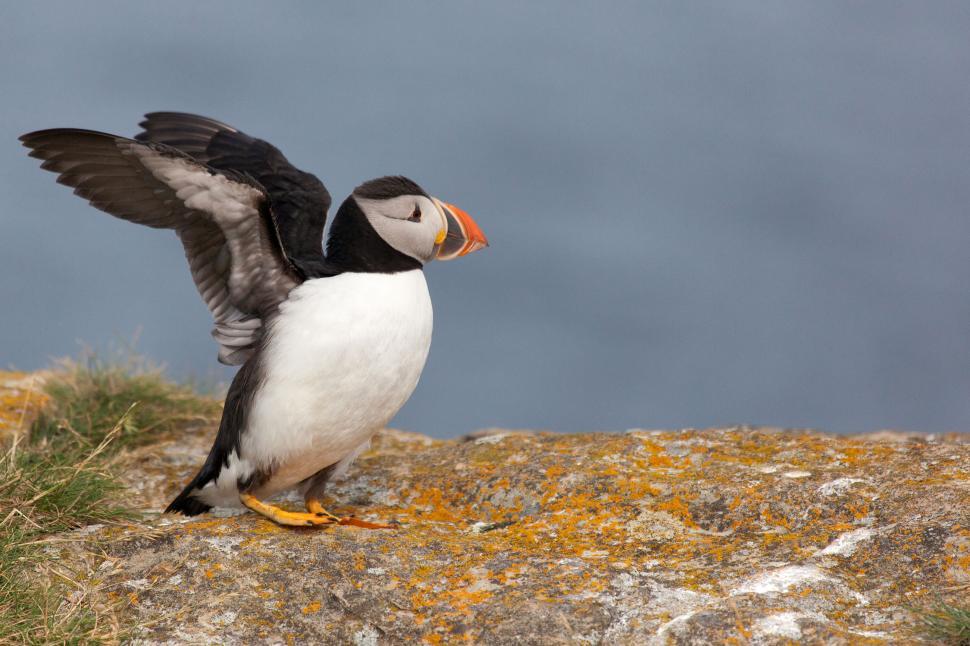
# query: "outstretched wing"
{"points": [[298, 200], [221, 217]]}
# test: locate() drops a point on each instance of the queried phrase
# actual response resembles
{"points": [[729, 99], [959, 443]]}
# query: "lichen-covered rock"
{"points": [[21, 397], [650, 537]]}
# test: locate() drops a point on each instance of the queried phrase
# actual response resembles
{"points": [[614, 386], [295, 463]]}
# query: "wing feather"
{"points": [[222, 219]]}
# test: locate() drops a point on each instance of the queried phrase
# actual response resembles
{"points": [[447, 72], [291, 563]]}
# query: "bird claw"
{"points": [[314, 506]]}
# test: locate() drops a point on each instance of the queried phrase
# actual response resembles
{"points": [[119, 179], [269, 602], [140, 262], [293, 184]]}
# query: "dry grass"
{"points": [[56, 478], [947, 624]]}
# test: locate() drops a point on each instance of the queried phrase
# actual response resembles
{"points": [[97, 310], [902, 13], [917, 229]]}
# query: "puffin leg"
{"points": [[283, 517], [314, 507]]}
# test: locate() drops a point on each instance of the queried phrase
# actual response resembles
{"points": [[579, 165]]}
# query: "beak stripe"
{"points": [[461, 235]]}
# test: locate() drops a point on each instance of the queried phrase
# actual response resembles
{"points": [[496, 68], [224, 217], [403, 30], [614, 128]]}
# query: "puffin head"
{"points": [[406, 219]]}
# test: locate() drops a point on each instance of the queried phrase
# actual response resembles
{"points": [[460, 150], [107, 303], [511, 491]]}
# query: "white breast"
{"points": [[342, 357]]}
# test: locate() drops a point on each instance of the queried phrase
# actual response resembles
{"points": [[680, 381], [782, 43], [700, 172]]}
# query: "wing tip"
{"points": [[36, 136], [175, 115], [39, 136]]}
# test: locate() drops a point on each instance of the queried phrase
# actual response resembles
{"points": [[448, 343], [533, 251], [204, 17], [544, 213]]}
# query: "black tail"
{"points": [[186, 503]]}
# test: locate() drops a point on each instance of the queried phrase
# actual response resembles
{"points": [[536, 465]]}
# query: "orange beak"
{"points": [[460, 234]]}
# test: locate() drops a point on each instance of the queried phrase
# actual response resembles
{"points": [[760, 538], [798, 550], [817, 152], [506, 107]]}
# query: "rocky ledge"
{"points": [[695, 536]]}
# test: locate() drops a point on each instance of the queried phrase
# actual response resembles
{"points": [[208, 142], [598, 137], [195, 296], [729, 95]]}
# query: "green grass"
{"points": [[946, 623], [89, 397], [43, 491], [57, 478]]}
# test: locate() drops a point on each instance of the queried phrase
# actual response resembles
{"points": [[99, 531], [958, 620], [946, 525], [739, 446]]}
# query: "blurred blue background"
{"points": [[700, 213]]}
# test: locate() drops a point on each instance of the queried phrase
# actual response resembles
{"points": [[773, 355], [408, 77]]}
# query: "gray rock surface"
{"points": [[648, 537]]}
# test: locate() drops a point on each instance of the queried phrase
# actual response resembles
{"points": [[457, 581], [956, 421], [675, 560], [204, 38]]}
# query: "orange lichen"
{"points": [[311, 608], [554, 471], [21, 399], [771, 519], [678, 508]]}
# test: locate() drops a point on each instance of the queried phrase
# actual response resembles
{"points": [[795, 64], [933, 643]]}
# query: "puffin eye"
{"points": [[416, 215]]}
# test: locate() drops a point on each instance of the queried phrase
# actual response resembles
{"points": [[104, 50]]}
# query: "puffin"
{"points": [[330, 344]]}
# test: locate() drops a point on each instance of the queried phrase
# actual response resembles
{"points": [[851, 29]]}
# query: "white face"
{"points": [[411, 224]]}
